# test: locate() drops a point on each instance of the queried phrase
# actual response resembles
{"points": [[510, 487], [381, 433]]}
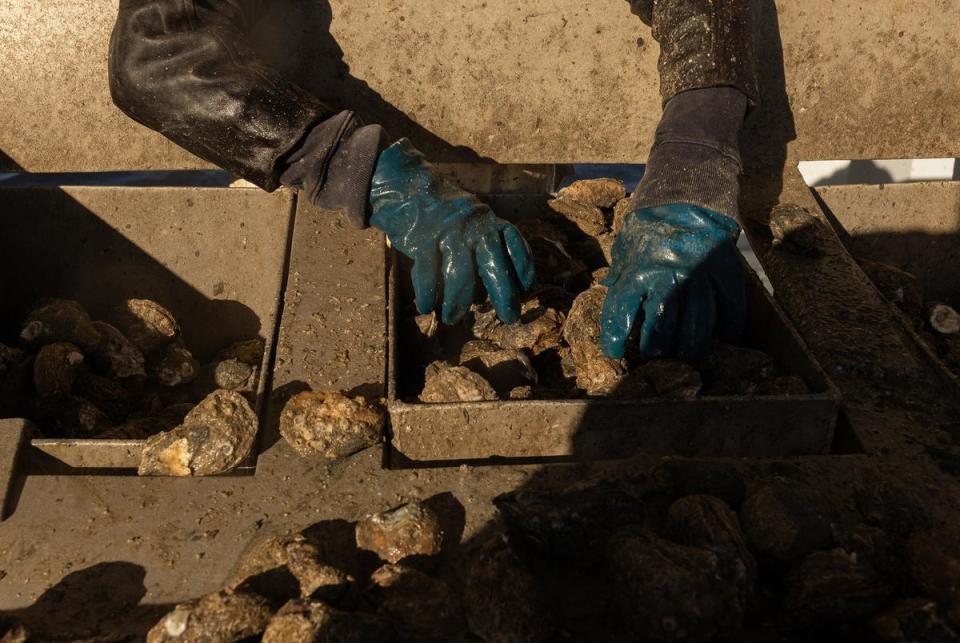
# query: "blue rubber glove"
{"points": [[680, 264], [450, 235]]}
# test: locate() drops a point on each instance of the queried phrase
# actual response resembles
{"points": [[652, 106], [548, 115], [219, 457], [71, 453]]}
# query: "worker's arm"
{"points": [[675, 264], [703, 43], [184, 68]]}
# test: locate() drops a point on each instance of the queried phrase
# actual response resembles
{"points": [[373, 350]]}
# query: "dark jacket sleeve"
{"points": [[182, 68], [703, 43]]}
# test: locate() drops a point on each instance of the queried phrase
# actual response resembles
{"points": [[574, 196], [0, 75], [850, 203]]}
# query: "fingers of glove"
{"points": [[698, 319], [620, 308], [459, 282], [660, 314], [496, 272], [730, 286], [621, 254], [626, 273], [425, 275], [520, 255]]}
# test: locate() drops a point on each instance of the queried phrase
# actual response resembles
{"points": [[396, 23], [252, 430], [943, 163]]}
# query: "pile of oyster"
{"points": [[324, 584], [685, 550], [696, 552], [132, 377], [553, 352]]}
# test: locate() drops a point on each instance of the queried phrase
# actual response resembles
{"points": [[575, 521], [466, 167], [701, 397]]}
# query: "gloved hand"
{"points": [[450, 235], [680, 264]]}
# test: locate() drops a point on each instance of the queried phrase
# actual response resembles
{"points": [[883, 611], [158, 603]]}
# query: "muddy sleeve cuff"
{"points": [[695, 157], [703, 43], [334, 165]]}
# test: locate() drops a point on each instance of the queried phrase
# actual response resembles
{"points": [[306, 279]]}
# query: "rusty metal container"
{"points": [[600, 429], [214, 256]]}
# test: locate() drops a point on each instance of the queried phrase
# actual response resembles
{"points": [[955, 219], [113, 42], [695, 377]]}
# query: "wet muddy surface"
{"points": [[834, 548]]}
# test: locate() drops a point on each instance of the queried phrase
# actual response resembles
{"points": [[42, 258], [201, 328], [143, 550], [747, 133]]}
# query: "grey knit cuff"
{"points": [[334, 164], [703, 177], [349, 175], [695, 158]]}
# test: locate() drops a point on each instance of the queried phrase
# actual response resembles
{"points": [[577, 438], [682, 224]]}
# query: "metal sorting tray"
{"points": [[214, 256], [600, 429]]}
